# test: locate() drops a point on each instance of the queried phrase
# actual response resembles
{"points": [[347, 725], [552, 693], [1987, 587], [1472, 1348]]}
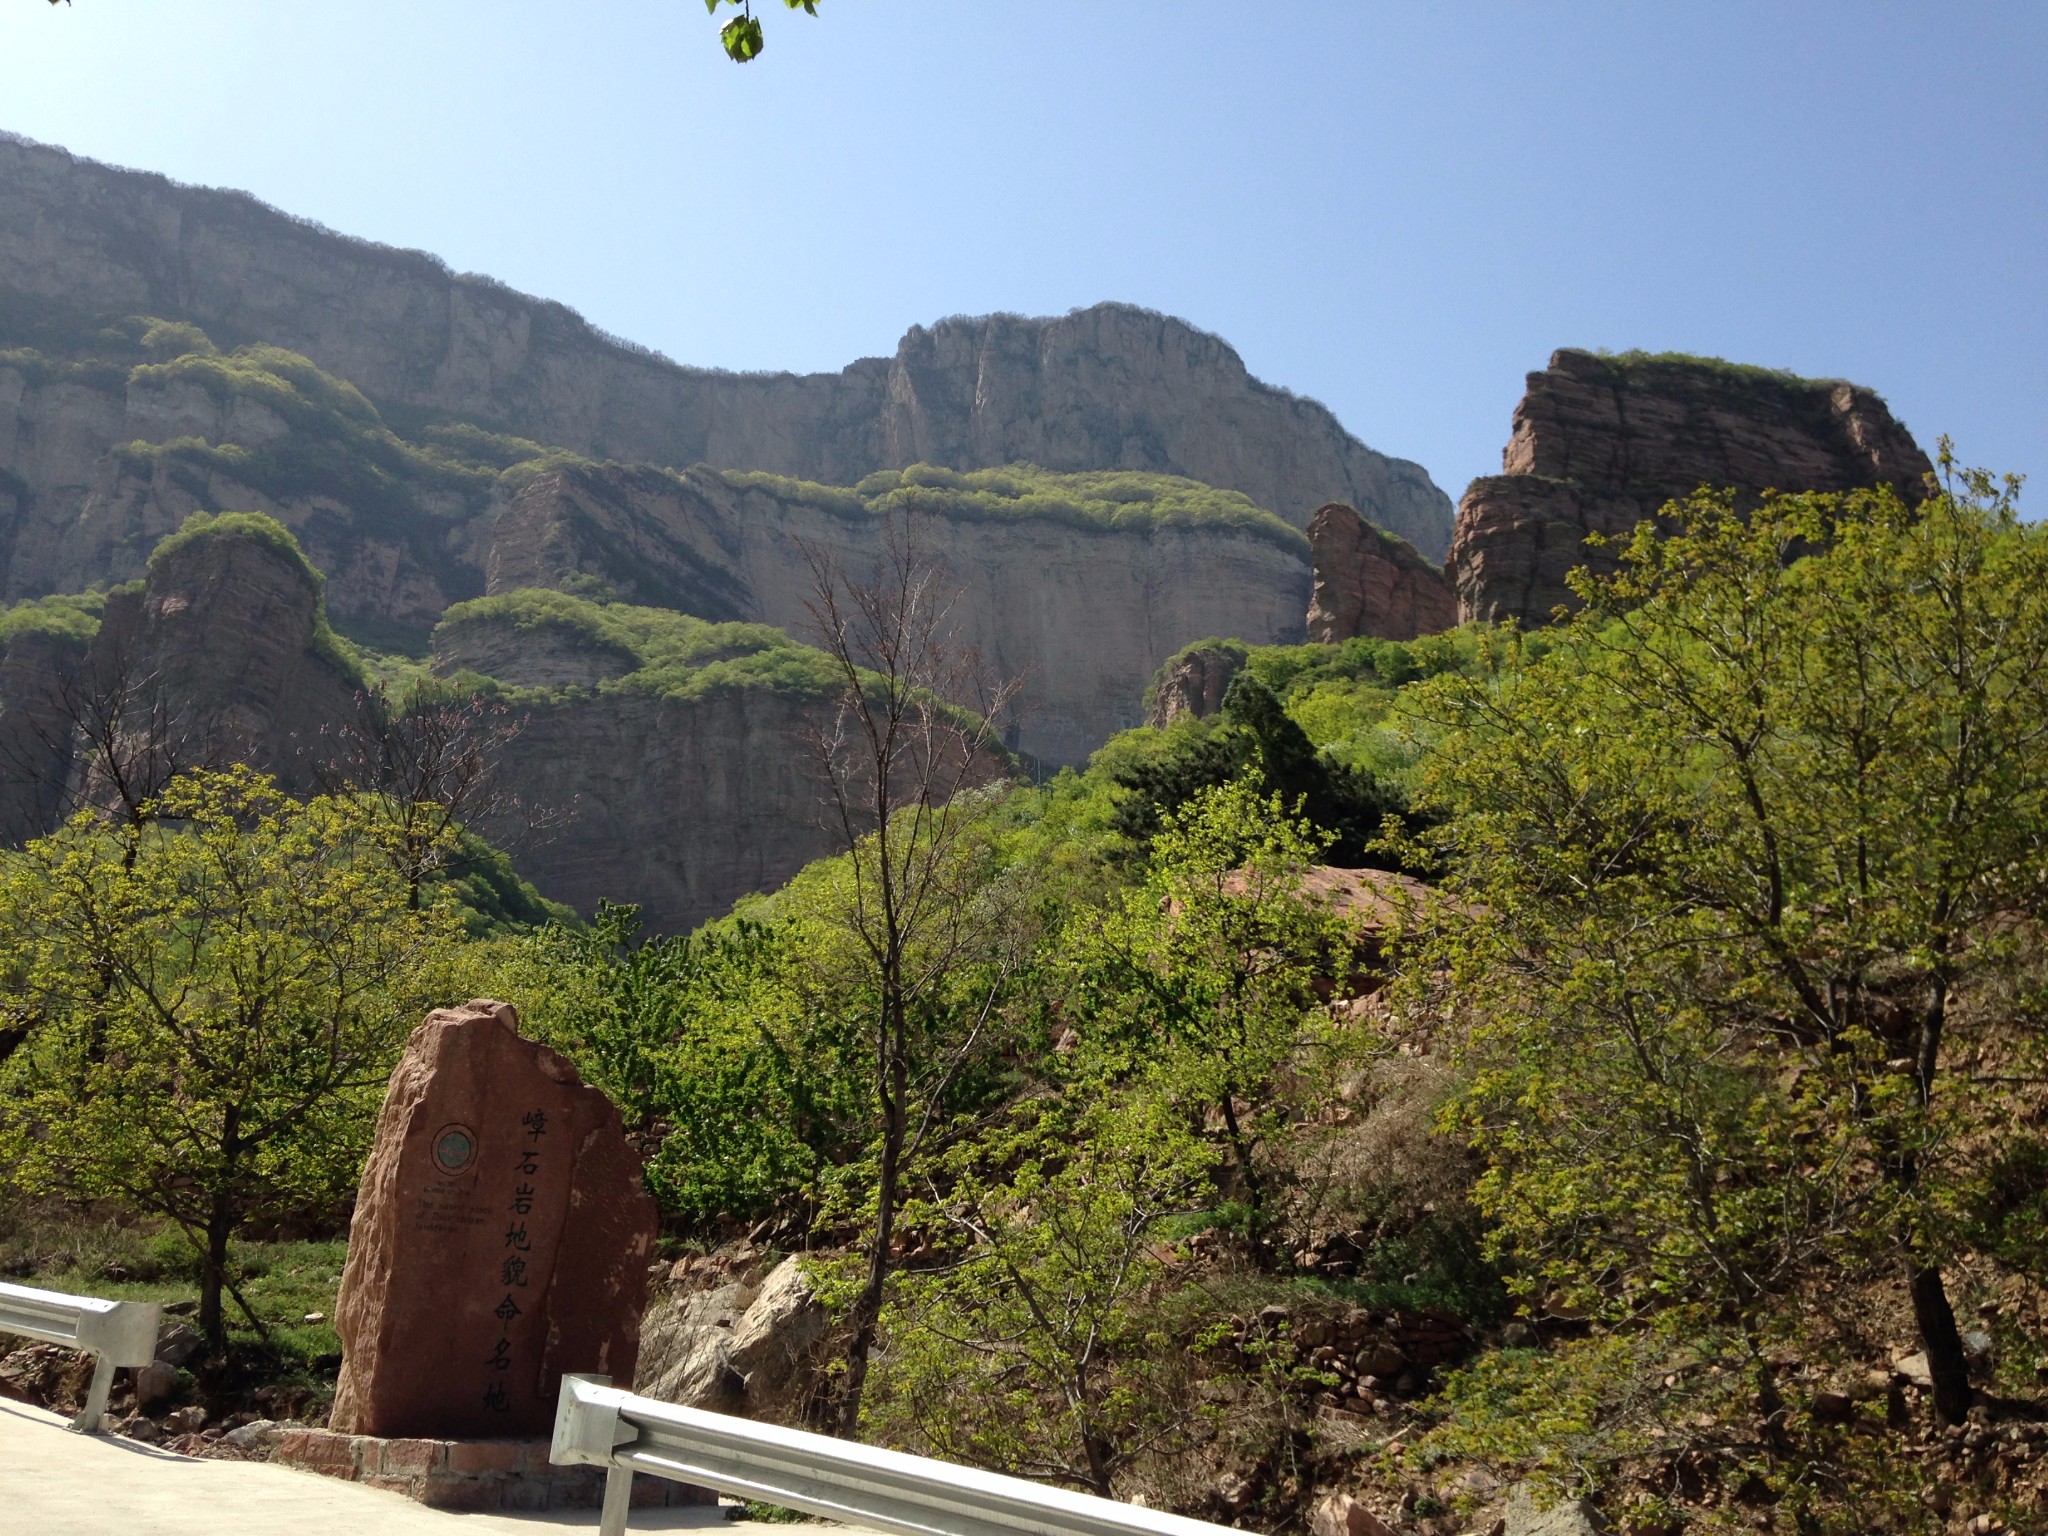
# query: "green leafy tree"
{"points": [[1729, 857], [1202, 978], [1037, 1345], [1258, 740], [218, 991]]}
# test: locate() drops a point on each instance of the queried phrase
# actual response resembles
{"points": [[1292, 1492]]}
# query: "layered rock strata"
{"points": [[1601, 443], [1084, 614], [1368, 582], [1104, 388]]}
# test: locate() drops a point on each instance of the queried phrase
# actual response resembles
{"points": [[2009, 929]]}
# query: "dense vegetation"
{"points": [[1700, 1081]]}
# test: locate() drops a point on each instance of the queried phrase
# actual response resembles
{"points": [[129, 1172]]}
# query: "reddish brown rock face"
{"points": [[1601, 443], [501, 1238], [1370, 583]]}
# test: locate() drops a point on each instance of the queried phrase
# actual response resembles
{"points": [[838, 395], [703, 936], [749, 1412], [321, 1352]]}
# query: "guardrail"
{"points": [[118, 1332], [600, 1425]]}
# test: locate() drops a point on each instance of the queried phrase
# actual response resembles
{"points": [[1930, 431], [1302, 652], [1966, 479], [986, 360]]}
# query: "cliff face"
{"points": [[1371, 583], [678, 805], [1109, 387], [1600, 443], [1084, 613]]}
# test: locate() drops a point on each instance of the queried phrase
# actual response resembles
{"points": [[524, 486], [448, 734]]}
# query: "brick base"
{"points": [[468, 1474]]}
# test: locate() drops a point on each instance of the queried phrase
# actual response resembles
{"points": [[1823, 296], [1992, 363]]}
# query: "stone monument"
{"points": [[501, 1238]]}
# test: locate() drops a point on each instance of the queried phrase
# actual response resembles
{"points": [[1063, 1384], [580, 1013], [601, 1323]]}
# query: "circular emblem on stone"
{"points": [[454, 1148]]}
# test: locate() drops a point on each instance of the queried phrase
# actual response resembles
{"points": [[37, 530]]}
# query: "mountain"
{"points": [[1112, 387]]}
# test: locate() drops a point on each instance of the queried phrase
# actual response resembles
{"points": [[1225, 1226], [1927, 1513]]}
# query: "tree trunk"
{"points": [[1946, 1363], [213, 1271], [867, 1310]]}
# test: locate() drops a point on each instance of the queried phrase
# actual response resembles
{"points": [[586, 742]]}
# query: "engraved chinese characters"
{"points": [[501, 1238]]}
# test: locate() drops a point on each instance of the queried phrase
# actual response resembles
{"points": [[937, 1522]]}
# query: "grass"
{"points": [[88, 1253], [671, 654]]}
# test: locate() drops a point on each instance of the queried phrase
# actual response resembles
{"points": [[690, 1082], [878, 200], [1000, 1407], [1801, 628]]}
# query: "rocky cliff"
{"points": [[1084, 582], [677, 753], [1082, 606], [1602, 442], [1371, 583], [1103, 388], [222, 653]]}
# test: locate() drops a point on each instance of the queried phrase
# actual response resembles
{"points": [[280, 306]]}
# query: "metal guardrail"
{"points": [[118, 1332], [600, 1425]]}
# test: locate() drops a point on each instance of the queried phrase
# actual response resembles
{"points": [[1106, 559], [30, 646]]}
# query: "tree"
{"points": [[426, 769], [913, 735], [1201, 979], [1037, 1346], [1257, 740], [741, 36], [242, 961], [1729, 858]]}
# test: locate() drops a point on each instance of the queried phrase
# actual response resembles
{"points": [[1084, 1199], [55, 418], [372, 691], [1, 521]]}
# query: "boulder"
{"points": [[155, 1384], [500, 1239], [1572, 1517], [735, 1348], [1342, 1515]]}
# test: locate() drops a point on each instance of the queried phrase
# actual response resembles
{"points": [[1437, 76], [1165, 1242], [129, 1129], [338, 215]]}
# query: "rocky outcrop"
{"points": [[1601, 443], [1370, 583], [1103, 388], [228, 629], [1194, 683], [736, 1347], [1084, 612]]}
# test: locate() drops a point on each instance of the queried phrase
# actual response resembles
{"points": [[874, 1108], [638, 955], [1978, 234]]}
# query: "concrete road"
{"points": [[55, 1483]]}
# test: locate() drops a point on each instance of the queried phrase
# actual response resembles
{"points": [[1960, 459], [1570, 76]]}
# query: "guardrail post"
{"points": [[116, 1333], [618, 1497]]}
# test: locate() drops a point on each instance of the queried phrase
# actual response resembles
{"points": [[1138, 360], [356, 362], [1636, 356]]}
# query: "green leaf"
{"points": [[742, 38]]}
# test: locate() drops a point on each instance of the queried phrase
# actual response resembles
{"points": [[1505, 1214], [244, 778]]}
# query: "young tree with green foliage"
{"points": [[1038, 1346], [1728, 857], [1201, 979], [217, 993]]}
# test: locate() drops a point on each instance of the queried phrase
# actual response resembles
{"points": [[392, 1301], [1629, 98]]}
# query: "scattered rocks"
{"points": [[48, 1375]]}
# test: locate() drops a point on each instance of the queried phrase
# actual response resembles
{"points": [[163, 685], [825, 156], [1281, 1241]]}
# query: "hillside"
{"points": [[1112, 387]]}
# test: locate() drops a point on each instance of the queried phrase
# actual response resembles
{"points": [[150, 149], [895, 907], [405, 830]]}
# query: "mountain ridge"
{"points": [[1107, 387]]}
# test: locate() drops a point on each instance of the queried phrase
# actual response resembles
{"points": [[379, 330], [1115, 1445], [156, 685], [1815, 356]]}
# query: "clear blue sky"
{"points": [[1396, 209]]}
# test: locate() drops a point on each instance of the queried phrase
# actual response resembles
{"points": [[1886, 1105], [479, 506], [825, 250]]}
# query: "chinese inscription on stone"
{"points": [[501, 1238]]}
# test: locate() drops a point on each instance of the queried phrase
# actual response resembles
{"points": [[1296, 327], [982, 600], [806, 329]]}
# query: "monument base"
{"points": [[468, 1474]]}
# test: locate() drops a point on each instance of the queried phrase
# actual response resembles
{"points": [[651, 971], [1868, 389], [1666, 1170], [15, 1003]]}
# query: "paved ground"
{"points": [[55, 1483]]}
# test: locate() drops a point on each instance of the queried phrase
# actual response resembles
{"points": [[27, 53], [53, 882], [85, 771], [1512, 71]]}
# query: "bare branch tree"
{"points": [[916, 729], [427, 768]]}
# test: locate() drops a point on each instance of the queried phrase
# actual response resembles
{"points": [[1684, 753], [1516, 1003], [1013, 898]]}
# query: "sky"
{"points": [[1396, 209]]}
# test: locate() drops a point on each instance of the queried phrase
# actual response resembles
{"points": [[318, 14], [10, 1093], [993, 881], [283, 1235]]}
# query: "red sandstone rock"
{"points": [[1601, 443], [500, 1239], [1367, 582]]}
